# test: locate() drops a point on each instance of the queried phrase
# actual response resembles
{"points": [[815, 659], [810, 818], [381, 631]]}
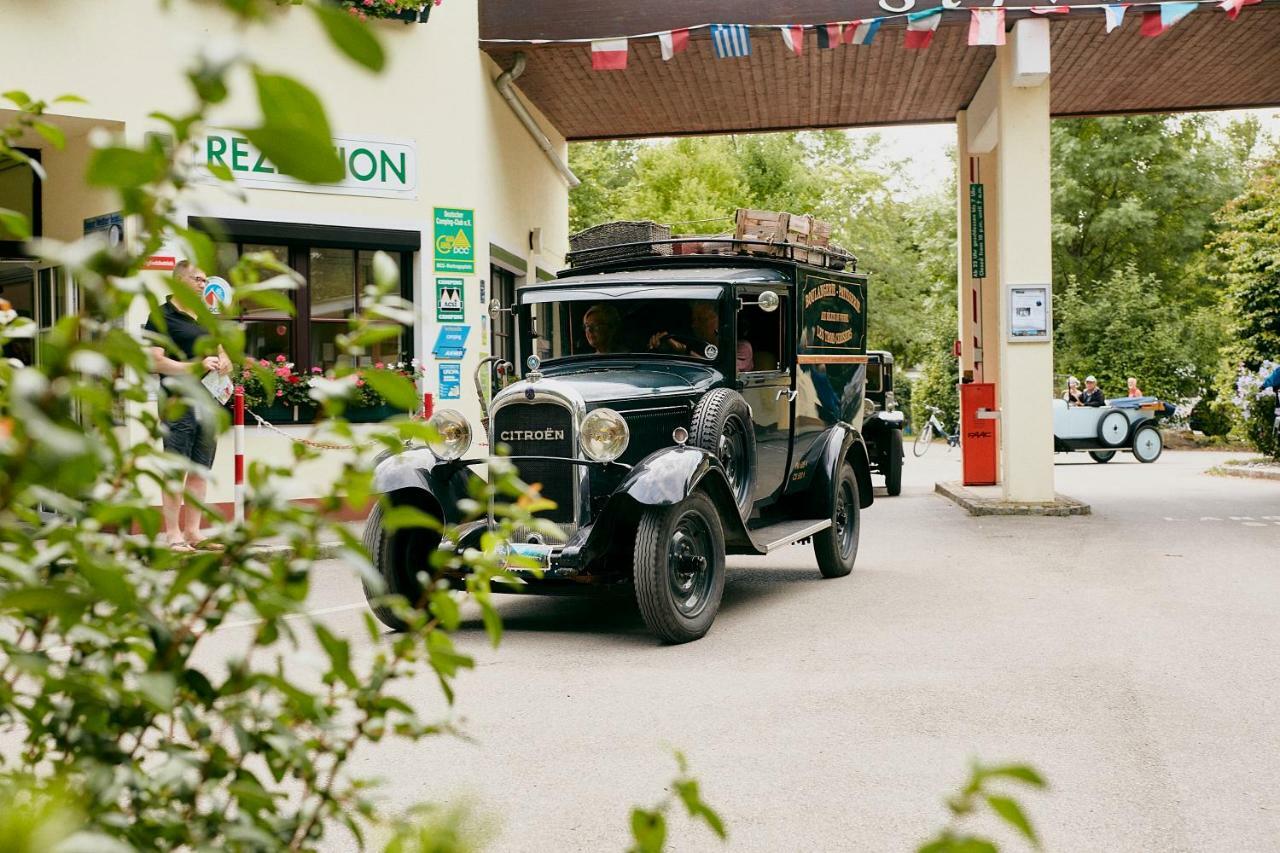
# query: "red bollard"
{"points": [[237, 430], [427, 406]]}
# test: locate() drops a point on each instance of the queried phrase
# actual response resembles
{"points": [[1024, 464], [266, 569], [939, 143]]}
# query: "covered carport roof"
{"points": [[1206, 61]]}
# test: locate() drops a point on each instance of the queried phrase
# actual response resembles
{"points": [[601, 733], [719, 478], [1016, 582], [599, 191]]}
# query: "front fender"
{"points": [[406, 476], [665, 478]]}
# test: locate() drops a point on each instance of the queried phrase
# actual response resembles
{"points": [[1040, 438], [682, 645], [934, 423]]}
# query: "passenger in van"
{"points": [[601, 325]]}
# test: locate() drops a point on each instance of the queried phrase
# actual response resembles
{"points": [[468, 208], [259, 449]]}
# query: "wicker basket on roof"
{"points": [[613, 241]]}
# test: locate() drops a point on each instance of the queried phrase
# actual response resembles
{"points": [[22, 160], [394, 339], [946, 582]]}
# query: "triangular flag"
{"points": [[1115, 15], [793, 38], [862, 32], [829, 36], [1050, 10], [986, 26], [1155, 23], [920, 28], [731, 40], [609, 54], [673, 42], [1233, 7]]}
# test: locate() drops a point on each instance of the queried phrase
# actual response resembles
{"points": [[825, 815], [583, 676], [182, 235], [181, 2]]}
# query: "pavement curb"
{"points": [[977, 505], [1244, 472], [324, 551]]}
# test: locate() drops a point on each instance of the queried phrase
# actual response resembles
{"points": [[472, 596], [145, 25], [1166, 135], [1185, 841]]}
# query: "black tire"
{"points": [[893, 464], [679, 568], [837, 546], [923, 439], [722, 424], [397, 557], [1113, 436], [1148, 443], [1102, 456]]}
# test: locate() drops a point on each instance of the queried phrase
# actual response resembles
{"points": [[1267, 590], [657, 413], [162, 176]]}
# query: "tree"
{"points": [[1141, 190], [1250, 247]]}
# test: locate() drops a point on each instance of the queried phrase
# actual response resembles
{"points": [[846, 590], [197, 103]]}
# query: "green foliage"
{"points": [[1141, 191], [649, 826], [1250, 247], [696, 184], [1133, 331], [978, 792], [936, 385], [1256, 408]]}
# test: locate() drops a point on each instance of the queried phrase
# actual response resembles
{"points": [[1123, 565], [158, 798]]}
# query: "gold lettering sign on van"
{"points": [[830, 288]]}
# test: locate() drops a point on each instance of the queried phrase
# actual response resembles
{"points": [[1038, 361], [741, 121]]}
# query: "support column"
{"points": [[1025, 258]]}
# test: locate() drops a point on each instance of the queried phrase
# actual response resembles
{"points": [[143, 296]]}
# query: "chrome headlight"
{"points": [[453, 435], [605, 435]]}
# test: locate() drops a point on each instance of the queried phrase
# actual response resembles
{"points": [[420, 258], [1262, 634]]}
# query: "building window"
{"points": [[504, 290], [335, 280]]}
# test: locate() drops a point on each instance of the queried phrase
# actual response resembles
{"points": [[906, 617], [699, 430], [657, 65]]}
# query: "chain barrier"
{"points": [[312, 443]]}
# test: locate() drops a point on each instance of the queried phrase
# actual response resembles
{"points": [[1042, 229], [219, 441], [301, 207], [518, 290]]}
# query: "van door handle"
{"points": [[783, 392]]}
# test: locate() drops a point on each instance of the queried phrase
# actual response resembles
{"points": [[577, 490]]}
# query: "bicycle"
{"points": [[925, 437]]}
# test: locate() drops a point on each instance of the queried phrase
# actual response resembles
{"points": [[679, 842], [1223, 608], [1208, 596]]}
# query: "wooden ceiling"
{"points": [[1205, 62]]}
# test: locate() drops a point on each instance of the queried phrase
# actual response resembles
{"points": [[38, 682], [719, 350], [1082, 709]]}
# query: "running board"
{"points": [[786, 533]]}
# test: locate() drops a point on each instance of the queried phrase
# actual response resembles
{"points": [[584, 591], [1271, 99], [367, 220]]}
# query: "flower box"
{"points": [[372, 414]]}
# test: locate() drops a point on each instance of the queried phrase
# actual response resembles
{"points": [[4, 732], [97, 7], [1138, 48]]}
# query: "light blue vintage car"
{"points": [[1127, 424]]}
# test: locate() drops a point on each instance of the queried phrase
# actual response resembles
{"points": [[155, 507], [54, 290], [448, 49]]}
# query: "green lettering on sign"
{"points": [[355, 166], [239, 154], [977, 232], [455, 240]]}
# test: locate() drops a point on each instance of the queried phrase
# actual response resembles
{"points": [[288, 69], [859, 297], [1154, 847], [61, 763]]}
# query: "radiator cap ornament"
{"points": [[533, 376]]}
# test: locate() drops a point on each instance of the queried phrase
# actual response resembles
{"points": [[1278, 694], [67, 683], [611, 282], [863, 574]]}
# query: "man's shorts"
{"points": [[186, 437]]}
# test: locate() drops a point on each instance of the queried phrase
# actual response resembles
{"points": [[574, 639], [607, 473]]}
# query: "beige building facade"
{"points": [[432, 151]]}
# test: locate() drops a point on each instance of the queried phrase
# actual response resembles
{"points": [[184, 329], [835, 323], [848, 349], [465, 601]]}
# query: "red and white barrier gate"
{"points": [[237, 430]]}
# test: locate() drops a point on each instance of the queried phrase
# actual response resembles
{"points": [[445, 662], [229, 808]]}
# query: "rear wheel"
{"points": [[837, 547], [893, 464], [1113, 428], [1148, 444], [923, 438], [722, 425], [1102, 456], [679, 568]]}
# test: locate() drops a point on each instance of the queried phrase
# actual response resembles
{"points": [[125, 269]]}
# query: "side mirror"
{"points": [[768, 301]]}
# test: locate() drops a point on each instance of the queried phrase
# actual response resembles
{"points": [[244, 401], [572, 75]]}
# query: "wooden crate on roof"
{"points": [[761, 228]]}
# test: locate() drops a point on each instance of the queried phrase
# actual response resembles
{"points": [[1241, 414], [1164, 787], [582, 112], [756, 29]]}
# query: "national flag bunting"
{"points": [[609, 54], [862, 32], [731, 40], [1155, 23], [829, 36], [1050, 10], [1233, 7], [986, 26], [673, 41], [1115, 15], [793, 38], [921, 27]]}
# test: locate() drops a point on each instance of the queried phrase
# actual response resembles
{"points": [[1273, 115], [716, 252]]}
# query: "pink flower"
{"points": [[282, 371], [368, 2], [359, 383], [279, 392], [378, 366], [263, 362], [280, 359], [316, 370]]}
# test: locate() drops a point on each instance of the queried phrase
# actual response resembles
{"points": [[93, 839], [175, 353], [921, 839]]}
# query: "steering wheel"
{"points": [[695, 345]]}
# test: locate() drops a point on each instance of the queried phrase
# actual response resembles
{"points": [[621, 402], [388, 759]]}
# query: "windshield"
{"points": [[651, 325]]}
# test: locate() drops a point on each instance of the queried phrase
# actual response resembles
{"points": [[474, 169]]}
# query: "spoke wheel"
{"points": [[679, 568], [837, 547], [923, 439]]}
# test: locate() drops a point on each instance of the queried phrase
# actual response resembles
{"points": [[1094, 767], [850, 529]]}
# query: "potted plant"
{"points": [[369, 406], [288, 402], [408, 11]]}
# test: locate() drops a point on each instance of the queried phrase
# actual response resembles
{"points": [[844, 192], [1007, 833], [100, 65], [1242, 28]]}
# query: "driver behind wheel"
{"points": [[704, 325]]}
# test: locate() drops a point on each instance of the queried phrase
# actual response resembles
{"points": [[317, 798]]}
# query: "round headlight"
{"points": [[453, 435], [604, 435]]}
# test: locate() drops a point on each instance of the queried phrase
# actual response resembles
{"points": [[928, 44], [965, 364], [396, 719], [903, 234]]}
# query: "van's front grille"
{"points": [[541, 429]]}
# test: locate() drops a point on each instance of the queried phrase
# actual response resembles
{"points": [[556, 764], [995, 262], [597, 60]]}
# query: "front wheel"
{"points": [[893, 464], [679, 568], [923, 439], [1102, 456], [397, 556], [837, 547]]}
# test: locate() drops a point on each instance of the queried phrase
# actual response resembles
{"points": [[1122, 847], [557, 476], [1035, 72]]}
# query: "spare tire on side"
{"points": [[722, 424]]}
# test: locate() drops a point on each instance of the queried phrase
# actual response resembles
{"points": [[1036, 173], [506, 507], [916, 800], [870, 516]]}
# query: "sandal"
{"points": [[207, 545], [181, 548]]}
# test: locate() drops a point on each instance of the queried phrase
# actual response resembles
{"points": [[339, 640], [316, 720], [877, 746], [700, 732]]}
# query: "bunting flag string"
{"points": [[672, 42], [986, 27]]}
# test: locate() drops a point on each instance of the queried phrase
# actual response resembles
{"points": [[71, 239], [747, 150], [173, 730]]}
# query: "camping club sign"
{"points": [[833, 318]]}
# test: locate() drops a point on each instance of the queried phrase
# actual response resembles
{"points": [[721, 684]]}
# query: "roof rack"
{"points": [[831, 257]]}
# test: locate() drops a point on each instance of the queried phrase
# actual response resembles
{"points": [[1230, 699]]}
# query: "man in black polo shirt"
{"points": [[186, 436]]}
